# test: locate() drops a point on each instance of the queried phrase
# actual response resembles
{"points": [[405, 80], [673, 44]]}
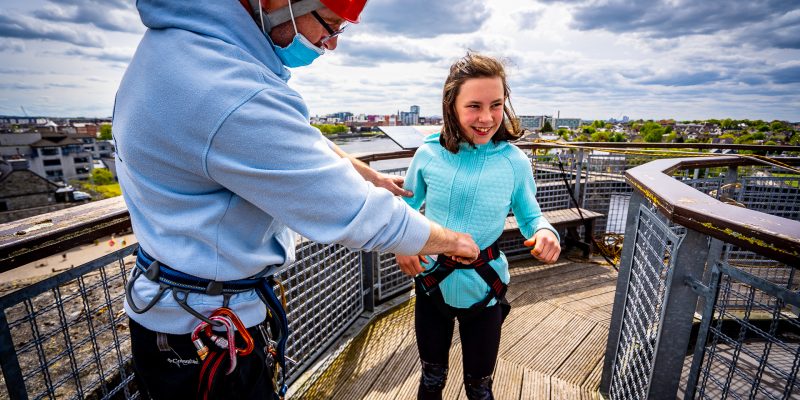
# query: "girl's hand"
{"points": [[410, 265], [545, 246]]}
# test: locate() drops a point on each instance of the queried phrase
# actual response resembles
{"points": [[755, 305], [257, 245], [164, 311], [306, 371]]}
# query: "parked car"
{"points": [[80, 196]]}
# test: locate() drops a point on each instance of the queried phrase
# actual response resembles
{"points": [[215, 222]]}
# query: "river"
{"points": [[373, 144]]}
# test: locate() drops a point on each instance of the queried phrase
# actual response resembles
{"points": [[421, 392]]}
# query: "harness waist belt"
{"points": [[158, 272]]}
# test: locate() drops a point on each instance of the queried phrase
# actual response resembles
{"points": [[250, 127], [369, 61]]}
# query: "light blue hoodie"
{"points": [[217, 162]]}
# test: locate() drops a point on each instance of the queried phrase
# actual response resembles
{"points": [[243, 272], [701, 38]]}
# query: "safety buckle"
{"points": [[214, 288], [152, 271]]}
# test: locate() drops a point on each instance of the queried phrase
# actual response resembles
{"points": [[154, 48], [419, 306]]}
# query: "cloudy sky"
{"points": [[682, 59]]}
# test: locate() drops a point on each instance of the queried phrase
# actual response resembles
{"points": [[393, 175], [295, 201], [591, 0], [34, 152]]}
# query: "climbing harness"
{"points": [[428, 283], [181, 284]]}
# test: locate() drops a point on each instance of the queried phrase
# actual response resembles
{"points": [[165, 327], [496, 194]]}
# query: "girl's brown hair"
{"points": [[474, 65]]}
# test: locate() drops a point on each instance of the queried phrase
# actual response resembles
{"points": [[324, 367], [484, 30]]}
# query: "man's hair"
{"points": [[474, 65]]}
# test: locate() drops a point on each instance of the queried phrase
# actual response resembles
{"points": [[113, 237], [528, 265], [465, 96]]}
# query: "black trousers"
{"points": [[172, 370], [480, 336]]}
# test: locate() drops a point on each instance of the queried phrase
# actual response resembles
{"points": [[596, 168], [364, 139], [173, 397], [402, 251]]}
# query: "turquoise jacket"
{"points": [[472, 191], [219, 165]]}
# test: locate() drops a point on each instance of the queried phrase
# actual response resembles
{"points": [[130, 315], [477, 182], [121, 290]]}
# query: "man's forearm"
{"points": [[445, 241], [362, 168]]}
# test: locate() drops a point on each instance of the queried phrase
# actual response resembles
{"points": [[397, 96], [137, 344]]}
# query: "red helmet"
{"points": [[347, 9], [350, 10]]}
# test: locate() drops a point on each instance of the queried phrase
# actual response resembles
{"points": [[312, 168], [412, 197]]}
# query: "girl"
{"points": [[469, 176]]}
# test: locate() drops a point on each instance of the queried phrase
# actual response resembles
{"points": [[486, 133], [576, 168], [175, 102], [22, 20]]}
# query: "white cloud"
{"points": [[587, 58]]}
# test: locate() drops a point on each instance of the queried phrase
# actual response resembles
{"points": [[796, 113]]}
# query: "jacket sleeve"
{"points": [[414, 180], [523, 201], [267, 153]]}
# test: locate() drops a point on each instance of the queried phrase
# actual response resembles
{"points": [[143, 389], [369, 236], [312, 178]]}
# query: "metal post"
{"points": [[623, 280], [578, 171], [677, 314], [12, 373], [717, 246], [368, 263]]}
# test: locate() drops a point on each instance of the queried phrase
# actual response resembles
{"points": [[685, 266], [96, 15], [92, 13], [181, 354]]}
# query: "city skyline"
{"points": [[651, 60]]}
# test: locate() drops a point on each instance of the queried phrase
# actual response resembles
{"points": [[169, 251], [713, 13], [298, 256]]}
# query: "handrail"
{"points": [[36, 237], [772, 236]]}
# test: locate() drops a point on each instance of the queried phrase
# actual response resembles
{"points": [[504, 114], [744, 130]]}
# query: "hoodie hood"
{"points": [[226, 20]]}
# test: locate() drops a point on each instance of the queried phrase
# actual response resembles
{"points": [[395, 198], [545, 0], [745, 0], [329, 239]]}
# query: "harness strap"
{"points": [[429, 283], [445, 265]]}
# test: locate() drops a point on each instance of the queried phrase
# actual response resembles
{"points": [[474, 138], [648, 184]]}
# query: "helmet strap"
{"points": [[285, 14]]}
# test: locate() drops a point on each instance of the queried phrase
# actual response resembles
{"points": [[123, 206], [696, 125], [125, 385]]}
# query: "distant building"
{"points": [[56, 157], [531, 122], [409, 118], [536, 122], [569, 123]]}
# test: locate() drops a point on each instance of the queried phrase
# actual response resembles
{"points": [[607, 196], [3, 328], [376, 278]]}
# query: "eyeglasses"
{"points": [[331, 33]]}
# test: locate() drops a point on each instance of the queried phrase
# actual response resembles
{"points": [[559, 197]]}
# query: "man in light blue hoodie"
{"points": [[217, 162]]}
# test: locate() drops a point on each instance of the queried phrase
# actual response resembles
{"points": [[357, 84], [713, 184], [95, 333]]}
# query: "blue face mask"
{"points": [[300, 52]]}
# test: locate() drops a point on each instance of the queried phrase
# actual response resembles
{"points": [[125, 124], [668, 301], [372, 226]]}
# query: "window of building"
{"points": [[80, 160], [48, 163], [81, 170], [48, 151], [55, 174], [3, 206]]}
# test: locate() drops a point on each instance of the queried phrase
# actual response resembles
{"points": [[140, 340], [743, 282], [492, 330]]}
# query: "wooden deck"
{"points": [[551, 348]]}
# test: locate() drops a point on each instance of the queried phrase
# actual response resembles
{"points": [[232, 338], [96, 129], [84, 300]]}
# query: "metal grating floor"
{"points": [[552, 344]]}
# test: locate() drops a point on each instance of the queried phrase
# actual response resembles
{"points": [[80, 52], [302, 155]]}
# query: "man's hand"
{"points": [[411, 265], [459, 246], [465, 250], [545, 246], [392, 183]]}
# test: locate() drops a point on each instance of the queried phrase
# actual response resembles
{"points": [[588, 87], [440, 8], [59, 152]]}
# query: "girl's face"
{"points": [[479, 106]]}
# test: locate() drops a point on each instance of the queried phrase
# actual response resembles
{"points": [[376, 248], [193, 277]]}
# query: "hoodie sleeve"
{"points": [[523, 201], [266, 152]]}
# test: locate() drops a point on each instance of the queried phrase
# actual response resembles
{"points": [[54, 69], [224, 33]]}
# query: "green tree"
{"points": [[102, 176], [777, 126], [744, 139], [582, 138], [589, 130], [617, 137], [547, 127], [652, 132], [105, 132], [600, 136], [599, 124]]}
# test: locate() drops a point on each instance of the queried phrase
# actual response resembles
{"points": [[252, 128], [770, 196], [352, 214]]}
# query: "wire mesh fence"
{"points": [[641, 320], [752, 347], [323, 297], [66, 336]]}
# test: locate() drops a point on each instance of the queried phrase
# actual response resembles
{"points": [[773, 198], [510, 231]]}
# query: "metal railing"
{"points": [[707, 298], [66, 336]]}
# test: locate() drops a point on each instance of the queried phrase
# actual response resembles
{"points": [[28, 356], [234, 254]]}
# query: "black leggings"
{"points": [[173, 371], [480, 336]]}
